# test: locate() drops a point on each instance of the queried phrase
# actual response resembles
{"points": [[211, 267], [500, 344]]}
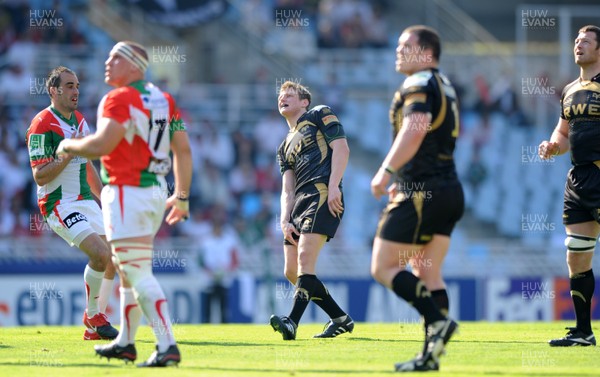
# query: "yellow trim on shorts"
{"points": [[418, 204]]}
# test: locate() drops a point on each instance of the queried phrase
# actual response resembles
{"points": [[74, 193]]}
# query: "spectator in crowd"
{"points": [[219, 248]]}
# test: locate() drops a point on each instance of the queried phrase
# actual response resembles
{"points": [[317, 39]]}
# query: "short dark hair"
{"points": [[428, 38], [301, 90], [53, 79], [594, 29]]}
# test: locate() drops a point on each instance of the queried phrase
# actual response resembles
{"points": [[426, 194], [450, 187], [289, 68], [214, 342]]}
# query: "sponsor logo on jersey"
{"points": [[74, 218], [584, 109], [330, 119], [36, 144]]}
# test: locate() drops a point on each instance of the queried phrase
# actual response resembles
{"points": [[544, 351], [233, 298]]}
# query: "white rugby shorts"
{"points": [[74, 221], [131, 211]]}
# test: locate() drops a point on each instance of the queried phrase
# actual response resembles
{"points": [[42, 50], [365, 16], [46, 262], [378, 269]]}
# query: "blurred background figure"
{"points": [[219, 248]]}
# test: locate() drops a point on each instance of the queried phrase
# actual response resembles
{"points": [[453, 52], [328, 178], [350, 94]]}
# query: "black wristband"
{"points": [[183, 199], [388, 169]]}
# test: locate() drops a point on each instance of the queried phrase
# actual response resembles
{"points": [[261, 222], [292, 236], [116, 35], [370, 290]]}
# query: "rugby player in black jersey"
{"points": [[578, 130], [425, 196], [312, 161]]}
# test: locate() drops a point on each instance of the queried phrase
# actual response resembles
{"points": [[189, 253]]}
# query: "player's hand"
{"points": [[289, 230], [334, 201], [379, 183], [180, 210], [548, 149], [61, 153], [392, 191]]}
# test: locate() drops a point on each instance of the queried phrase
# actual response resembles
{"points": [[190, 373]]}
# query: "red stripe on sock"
{"points": [[157, 306], [129, 308], [87, 295]]}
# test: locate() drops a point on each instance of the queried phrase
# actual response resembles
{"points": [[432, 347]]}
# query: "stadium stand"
{"points": [[226, 88]]}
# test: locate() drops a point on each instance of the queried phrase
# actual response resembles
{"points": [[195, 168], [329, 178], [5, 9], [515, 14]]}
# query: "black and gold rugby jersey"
{"points": [[580, 106], [306, 148], [429, 91]]}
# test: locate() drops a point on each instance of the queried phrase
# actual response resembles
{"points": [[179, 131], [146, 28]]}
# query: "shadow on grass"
{"points": [[100, 364], [223, 344], [299, 370], [499, 341], [399, 340], [532, 373], [385, 340]]}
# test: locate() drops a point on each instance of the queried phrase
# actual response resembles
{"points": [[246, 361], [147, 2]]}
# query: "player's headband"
{"points": [[128, 52]]}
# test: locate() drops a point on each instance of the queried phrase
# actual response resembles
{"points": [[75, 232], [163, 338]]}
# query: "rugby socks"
{"points": [[307, 284], [410, 288], [440, 297], [153, 303], [131, 314], [93, 281], [582, 291], [105, 292], [323, 299]]}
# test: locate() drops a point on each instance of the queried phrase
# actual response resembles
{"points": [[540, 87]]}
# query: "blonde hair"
{"points": [[302, 91]]}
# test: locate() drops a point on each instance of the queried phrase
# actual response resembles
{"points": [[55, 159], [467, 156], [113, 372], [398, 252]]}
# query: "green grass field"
{"points": [[480, 349]]}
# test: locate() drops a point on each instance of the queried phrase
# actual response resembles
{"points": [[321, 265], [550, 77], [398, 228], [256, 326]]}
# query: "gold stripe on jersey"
{"points": [[322, 145], [399, 121], [293, 145], [322, 188], [418, 204], [415, 98], [437, 122], [302, 124]]}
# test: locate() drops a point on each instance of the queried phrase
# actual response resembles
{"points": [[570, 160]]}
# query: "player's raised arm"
{"points": [[103, 142]]}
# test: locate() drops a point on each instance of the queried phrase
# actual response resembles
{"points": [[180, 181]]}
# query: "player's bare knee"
{"points": [[97, 250], [98, 261], [134, 260], [103, 257], [306, 260], [580, 249], [110, 271]]}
